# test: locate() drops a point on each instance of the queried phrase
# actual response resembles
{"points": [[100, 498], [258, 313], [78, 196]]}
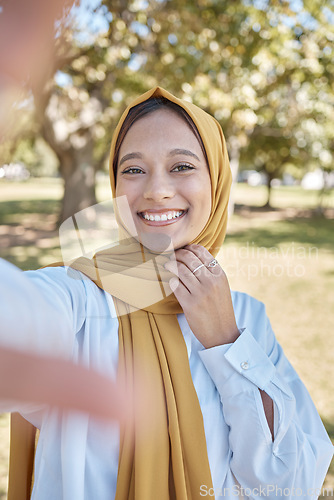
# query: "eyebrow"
{"points": [[173, 152], [185, 152], [130, 156]]}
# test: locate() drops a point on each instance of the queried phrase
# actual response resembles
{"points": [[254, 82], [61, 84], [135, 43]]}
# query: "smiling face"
{"points": [[164, 175]]}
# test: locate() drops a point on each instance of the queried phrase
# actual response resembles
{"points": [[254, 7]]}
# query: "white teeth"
{"points": [[162, 217]]}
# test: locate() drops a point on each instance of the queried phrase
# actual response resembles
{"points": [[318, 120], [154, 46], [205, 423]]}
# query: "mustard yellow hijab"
{"points": [[163, 452]]}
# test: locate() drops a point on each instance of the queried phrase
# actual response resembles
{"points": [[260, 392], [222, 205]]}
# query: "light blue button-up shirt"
{"points": [[77, 455]]}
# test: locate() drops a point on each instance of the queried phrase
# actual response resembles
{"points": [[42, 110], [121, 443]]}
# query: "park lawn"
{"points": [[283, 197], [284, 257]]}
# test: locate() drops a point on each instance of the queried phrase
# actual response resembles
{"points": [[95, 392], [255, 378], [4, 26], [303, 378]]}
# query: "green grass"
{"points": [[282, 197], [284, 257], [33, 189], [316, 231]]}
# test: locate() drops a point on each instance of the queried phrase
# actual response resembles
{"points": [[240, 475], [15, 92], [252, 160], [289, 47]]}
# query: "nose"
{"points": [[159, 187]]}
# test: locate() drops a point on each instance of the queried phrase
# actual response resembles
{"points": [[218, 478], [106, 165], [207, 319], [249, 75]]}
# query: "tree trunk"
{"points": [[68, 128], [234, 154], [78, 172], [269, 179], [73, 143]]}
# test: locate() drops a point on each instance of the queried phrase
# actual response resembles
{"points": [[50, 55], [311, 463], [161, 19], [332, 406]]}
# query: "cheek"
{"points": [[206, 209], [205, 203], [208, 195], [122, 189], [123, 207], [202, 197]]}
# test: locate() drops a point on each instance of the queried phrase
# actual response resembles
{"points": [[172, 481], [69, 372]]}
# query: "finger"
{"points": [[186, 277], [171, 266], [174, 283], [191, 260], [211, 264], [180, 291], [200, 252]]}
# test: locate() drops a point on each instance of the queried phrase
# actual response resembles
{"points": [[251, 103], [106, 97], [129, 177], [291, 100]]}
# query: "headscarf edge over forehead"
{"points": [[213, 234]]}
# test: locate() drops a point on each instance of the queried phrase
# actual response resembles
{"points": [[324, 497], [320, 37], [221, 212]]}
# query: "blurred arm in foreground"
{"points": [[27, 377], [26, 51], [26, 374], [27, 41]]}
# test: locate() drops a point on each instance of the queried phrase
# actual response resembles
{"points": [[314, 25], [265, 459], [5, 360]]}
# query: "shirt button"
{"points": [[244, 365]]}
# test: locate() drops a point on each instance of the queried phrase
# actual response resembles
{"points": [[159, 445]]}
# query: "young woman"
{"points": [[216, 409]]}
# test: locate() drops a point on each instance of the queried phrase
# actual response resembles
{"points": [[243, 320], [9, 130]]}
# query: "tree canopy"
{"points": [[263, 69]]}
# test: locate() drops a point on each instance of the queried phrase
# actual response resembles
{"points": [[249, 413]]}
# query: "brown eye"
{"points": [[132, 170], [182, 167]]}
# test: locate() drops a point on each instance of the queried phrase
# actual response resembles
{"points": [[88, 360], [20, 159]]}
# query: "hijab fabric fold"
{"points": [[163, 450]]}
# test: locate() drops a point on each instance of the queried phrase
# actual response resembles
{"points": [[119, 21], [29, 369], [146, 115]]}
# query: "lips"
{"points": [[164, 216]]}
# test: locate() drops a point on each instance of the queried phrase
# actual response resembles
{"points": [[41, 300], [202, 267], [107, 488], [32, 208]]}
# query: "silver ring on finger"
{"points": [[213, 263], [197, 268]]}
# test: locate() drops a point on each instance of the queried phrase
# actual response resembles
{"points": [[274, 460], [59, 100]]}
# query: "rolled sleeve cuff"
{"points": [[239, 366]]}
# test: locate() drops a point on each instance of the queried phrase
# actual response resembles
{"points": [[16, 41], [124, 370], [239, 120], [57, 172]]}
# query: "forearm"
{"points": [[36, 313], [37, 326], [44, 380]]}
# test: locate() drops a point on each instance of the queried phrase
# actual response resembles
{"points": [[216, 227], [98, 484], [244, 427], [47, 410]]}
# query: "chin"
{"points": [[157, 243]]}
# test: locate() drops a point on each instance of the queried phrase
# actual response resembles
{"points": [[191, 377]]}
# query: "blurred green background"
{"points": [[265, 71]]}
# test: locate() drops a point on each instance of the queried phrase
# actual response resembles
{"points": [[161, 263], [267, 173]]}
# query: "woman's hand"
{"points": [[25, 377], [204, 295]]}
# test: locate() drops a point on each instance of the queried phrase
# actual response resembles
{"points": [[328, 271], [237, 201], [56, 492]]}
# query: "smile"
{"points": [[162, 217]]}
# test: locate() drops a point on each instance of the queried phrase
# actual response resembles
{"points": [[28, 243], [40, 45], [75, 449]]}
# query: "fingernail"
{"points": [[173, 283]]}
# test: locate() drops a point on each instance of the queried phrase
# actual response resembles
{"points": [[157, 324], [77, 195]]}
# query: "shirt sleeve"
{"points": [[39, 313], [296, 461]]}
